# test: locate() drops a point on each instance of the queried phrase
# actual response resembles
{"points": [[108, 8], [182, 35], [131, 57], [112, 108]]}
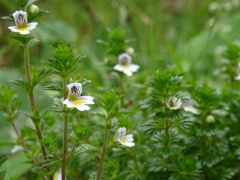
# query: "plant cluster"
{"points": [[156, 126]]}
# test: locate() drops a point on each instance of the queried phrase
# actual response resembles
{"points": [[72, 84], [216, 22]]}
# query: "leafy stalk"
{"points": [[65, 133], [32, 102]]}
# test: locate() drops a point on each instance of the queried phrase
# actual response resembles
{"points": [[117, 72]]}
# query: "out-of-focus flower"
{"points": [[74, 98], [58, 175], [174, 103], [16, 149], [237, 78], [130, 50], [190, 109], [126, 140], [125, 64], [22, 26], [210, 119], [34, 9]]}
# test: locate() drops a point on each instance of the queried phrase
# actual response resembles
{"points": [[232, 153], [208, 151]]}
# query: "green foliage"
{"points": [[64, 61], [8, 105], [39, 74], [22, 83], [36, 16]]}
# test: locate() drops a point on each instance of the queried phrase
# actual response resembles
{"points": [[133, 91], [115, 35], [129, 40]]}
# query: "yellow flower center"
{"points": [[77, 103], [125, 67], [124, 141], [22, 28]]}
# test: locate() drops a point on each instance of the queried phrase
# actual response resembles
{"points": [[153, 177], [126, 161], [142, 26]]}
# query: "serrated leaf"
{"points": [[22, 83], [83, 148], [39, 74], [58, 105], [39, 14], [29, 123], [55, 86], [9, 18], [32, 43]]}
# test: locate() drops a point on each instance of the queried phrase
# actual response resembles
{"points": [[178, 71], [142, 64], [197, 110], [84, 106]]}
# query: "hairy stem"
{"points": [[65, 135], [18, 135], [102, 155], [31, 97]]}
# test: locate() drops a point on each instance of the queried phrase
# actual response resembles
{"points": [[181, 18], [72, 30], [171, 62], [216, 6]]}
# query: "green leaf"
{"points": [[29, 123], [83, 148], [55, 86], [58, 105], [39, 14], [32, 43], [39, 74], [22, 83], [9, 18]]}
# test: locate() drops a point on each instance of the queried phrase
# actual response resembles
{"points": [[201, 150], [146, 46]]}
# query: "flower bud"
{"points": [[33, 9], [130, 51], [210, 119]]}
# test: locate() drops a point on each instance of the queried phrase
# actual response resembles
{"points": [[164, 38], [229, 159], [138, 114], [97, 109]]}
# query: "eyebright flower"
{"points": [[124, 64], [74, 98], [126, 140], [174, 103], [22, 26], [190, 109]]}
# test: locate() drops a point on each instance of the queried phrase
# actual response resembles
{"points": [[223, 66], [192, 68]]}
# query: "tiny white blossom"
{"points": [[126, 140], [174, 103], [22, 26], [15, 149], [75, 100], [190, 109], [125, 64]]}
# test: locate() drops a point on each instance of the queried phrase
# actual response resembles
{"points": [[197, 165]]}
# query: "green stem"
{"points": [[103, 154], [18, 135], [65, 135], [122, 90], [32, 102]]}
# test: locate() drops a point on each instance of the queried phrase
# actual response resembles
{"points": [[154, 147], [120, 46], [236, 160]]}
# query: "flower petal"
{"points": [[118, 67], [82, 107], [32, 25], [134, 67], [13, 28]]}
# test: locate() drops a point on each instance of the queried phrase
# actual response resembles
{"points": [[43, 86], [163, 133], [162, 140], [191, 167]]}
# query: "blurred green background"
{"points": [[188, 34]]}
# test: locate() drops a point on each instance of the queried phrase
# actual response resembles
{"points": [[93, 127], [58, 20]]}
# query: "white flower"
{"points": [[174, 103], [124, 64], [58, 175], [74, 98], [190, 109], [126, 140], [22, 26], [15, 149]]}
